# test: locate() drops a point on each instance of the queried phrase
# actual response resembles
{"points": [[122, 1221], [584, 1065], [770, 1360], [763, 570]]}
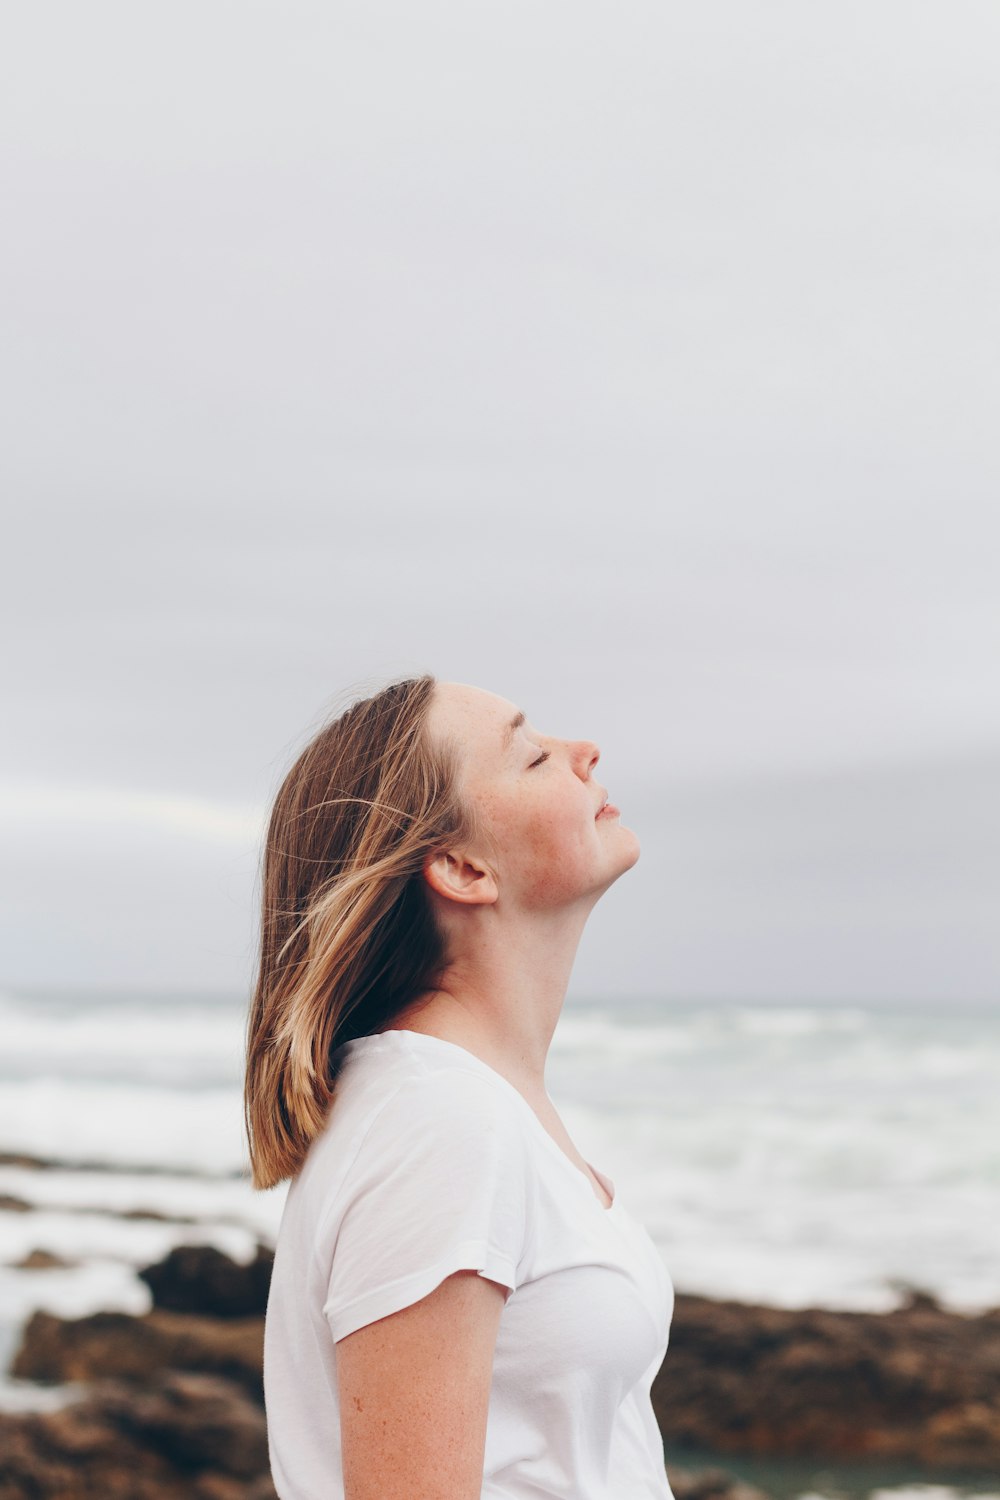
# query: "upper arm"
{"points": [[414, 1394]]}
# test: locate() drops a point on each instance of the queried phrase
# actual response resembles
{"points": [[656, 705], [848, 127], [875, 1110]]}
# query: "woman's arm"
{"points": [[414, 1395]]}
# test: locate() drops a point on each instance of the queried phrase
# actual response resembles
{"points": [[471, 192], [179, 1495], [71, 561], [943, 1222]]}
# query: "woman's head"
{"points": [[543, 842], [420, 812]]}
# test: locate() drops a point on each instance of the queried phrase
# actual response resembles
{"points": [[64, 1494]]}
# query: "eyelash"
{"points": [[544, 756]]}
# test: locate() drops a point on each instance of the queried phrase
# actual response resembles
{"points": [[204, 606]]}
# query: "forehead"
{"points": [[474, 717]]}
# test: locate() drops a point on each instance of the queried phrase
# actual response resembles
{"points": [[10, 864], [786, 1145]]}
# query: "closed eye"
{"points": [[544, 756]]}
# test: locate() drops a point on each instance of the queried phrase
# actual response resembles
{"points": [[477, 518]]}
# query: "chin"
{"points": [[627, 851], [634, 847]]}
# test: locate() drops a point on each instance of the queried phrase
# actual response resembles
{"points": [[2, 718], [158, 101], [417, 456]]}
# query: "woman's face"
{"points": [[538, 798]]}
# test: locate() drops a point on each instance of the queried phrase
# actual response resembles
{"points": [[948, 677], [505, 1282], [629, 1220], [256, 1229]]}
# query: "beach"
{"points": [[791, 1163]]}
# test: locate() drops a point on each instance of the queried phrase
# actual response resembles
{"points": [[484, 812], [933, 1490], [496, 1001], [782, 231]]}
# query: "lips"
{"points": [[604, 803]]}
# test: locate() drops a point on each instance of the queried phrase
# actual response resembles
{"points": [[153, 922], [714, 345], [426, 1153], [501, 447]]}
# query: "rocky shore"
{"points": [[919, 1385], [169, 1404]]}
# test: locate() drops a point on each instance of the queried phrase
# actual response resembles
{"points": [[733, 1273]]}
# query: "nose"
{"points": [[586, 756]]}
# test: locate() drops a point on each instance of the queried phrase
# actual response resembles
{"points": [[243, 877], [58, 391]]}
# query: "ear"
{"points": [[461, 877]]}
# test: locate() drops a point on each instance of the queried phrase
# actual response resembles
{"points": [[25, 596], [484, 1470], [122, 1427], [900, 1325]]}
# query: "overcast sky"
{"points": [[639, 363]]}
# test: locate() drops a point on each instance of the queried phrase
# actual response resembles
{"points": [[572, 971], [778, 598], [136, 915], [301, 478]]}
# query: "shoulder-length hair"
{"points": [[348, 935]]}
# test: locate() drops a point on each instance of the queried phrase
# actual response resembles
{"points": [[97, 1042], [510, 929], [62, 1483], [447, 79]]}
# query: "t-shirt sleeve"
{"points": [[439, 1185]]}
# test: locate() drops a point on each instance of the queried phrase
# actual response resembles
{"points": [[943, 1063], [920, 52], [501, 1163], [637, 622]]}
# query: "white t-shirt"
{"points": [[432, 1162]]}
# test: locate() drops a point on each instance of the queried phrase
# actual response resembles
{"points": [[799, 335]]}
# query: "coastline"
{"points": [[174, 1394]]}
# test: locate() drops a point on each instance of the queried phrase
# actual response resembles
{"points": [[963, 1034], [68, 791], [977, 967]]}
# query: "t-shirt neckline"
{"points": [[438, 1041]]}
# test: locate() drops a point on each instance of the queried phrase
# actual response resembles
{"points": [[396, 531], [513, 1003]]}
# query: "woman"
{"points": [[460, 1305]]}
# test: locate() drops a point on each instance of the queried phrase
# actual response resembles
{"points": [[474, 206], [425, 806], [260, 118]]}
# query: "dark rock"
{"points": [[40, 1260], [11, 1205], [920, 1384], [184, 1437], [218, 1487], [710, 1484], [150, 1216], [21, 1159], [122, 1168], [195, 1421], [200, 1279], [58, 1350], [917, 1297]]}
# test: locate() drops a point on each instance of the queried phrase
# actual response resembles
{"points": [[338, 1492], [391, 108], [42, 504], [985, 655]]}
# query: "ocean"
{"points": [[797, 1155]]}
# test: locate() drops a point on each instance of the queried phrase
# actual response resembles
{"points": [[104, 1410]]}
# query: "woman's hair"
{"points": [[347, 936]]}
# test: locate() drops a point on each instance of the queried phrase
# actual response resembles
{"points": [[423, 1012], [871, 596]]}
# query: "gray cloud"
{"points": [[641, 368]]}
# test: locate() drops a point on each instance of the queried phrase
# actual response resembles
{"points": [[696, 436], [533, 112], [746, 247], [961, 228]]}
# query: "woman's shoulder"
{"points": [[417, 1081], [430, 1126]]}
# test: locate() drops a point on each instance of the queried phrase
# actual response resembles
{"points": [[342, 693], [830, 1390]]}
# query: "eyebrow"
{"points": [[511, 730]]}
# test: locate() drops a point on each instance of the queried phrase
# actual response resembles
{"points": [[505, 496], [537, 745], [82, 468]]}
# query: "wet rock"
{"points": [[710, 1484], [11, 1205], [150, 1216], [920, 1384], [218, 1487], [184, 1437], [195, 1421], [58, 1350], [21, 1159], [201, 1279], [40, 1260]]}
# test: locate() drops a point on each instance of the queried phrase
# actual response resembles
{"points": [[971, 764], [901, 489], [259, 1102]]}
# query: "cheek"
{"points": [[556, 830], [552, 853]]}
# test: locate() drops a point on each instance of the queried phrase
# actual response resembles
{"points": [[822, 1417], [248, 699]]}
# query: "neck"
{"points": [[503, 992]]}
